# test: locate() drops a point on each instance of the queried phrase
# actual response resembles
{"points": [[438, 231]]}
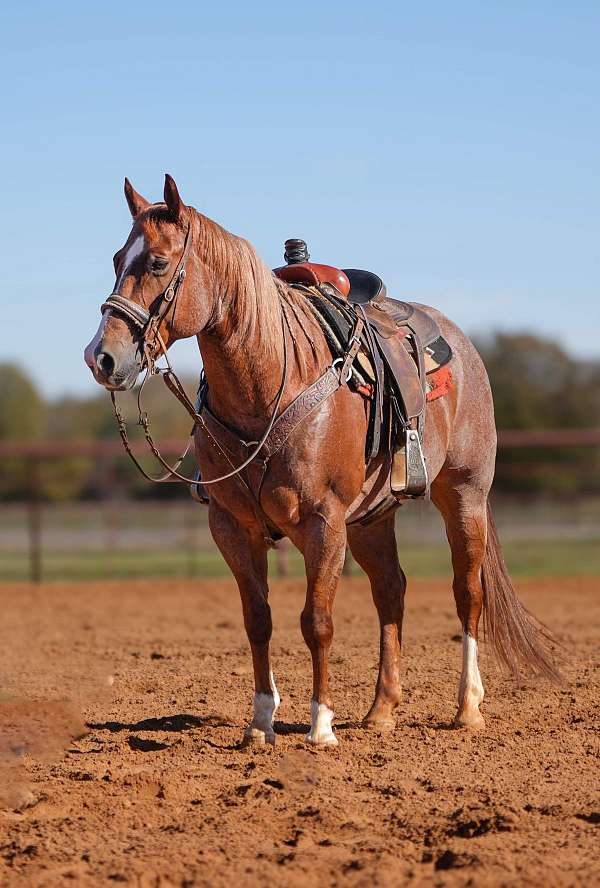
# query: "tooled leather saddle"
{"points": [[401, 365]]}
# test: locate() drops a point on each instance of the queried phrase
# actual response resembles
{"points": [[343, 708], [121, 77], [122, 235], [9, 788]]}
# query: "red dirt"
{"points": [[158, 792]]}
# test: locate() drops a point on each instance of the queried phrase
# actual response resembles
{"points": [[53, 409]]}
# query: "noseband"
{"points": [[148, 322]]}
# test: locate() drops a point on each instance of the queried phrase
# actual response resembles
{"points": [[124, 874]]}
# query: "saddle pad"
{"points": [[392, 322], [439, 383]]}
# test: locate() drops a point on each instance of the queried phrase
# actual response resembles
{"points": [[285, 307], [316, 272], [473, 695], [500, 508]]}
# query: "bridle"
{"points": [[279, 427], [148, 322], [152, 347]]}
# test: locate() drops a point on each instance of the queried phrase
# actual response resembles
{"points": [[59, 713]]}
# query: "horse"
{"points": [[261, 347]]}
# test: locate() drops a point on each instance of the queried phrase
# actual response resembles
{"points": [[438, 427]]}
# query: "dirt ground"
{"points": [[122, 707]]}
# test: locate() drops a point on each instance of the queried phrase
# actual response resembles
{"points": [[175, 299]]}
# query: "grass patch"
{"points": [[524, 559]]}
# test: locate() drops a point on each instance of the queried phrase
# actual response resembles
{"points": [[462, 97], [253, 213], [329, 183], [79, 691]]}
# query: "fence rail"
{"points": [[35, 454], [62, 450]]}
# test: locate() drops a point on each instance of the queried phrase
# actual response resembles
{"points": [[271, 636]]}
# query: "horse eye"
{"points": [[157, 264]]}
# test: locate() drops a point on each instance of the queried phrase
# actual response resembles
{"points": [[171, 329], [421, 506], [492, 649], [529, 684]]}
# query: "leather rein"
{"points": [[279, 427]]}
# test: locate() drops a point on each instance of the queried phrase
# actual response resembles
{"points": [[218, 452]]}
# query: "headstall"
{"points": [[279, 427], [148, 323]]}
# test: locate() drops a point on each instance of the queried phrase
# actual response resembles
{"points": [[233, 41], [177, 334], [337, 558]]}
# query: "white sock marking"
{"points": [[265, 707], [321, 732], [470, 692]]}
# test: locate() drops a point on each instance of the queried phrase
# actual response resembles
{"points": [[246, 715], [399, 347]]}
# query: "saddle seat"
{"points": [[366, 288], [311, 274]]}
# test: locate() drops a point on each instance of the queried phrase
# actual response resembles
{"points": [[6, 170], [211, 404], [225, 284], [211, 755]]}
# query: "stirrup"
{"points": [[409, 472]]}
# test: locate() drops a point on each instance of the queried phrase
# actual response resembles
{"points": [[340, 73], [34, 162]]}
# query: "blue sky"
{"points": [[451, 147]]}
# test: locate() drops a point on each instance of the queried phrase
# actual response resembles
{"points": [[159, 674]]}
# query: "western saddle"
{"points": [[400, 366]]}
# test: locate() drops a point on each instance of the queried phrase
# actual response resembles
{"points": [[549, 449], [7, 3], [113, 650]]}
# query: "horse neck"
{"points": [[243, 378], [243, 348]]}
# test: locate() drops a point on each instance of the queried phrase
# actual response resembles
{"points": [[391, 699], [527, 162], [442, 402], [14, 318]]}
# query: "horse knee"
{"points": [[317, 627]]}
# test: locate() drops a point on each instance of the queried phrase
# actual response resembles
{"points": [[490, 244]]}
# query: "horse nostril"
{"points": [[105, 364]]}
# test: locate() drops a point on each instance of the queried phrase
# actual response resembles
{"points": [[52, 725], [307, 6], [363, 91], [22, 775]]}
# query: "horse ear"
{"points": [[173, 201], [137, 204]]}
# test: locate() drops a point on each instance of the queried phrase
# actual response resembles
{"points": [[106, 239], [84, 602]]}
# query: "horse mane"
{"points": [[252, 298], [250, 295]]}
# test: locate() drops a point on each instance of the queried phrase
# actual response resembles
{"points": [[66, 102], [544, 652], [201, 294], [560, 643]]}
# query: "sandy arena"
{"points": [[123, 707]]}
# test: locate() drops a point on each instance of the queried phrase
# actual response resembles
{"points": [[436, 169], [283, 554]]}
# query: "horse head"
{"points": [[158, 290]]}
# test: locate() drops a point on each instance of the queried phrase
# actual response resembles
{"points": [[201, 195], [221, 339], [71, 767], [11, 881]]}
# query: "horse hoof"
{"points": [[321, 739], [473, 720], [379, 726], [256, 737]]}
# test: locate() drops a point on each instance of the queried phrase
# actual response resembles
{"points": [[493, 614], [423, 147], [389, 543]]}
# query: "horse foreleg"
{"points": [[323, 548], [246, 554], [463, 508], [375, 550]]}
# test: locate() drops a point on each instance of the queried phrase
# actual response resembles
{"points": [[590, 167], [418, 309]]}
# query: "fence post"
{"points": [[34, 520]]}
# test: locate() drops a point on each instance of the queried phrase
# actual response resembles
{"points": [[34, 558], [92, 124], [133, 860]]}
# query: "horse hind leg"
{"points": [[374, 548], [464, 513]]}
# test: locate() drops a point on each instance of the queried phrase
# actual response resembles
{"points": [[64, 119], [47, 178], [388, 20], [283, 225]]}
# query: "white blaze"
{"points": [[135, 249]]}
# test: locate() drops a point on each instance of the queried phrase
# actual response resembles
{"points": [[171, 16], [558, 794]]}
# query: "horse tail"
{"points": [[519, 640]]}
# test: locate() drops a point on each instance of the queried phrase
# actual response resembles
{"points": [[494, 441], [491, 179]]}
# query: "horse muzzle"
{"points": [[114, 374]]}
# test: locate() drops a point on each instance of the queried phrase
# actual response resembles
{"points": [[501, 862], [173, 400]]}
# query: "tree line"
{"points": [[536, 385]]}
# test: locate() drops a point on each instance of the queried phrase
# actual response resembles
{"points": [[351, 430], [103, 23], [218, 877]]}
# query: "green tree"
{"points": [[537, 385], [22, 410], [22, 418]]}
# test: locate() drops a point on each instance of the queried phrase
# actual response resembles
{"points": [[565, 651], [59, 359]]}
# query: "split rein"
{"points": [[152, 345]]}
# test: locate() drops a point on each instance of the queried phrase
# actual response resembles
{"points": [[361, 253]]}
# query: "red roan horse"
{"points": [[246, 321]]}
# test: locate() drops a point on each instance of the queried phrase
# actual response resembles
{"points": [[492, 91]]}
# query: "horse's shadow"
{"points": [[284, 728], [176, 723], [182, 722]]}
